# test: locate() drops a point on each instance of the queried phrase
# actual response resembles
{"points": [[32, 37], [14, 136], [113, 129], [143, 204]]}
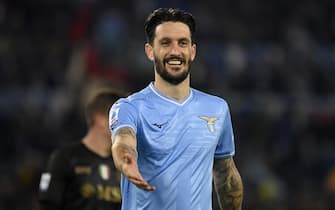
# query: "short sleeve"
{"points": [[226, 146], [122, 114], [54, 180]]}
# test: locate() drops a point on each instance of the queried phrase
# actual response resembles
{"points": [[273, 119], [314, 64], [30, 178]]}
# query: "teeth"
{"points": [[174, 62]]}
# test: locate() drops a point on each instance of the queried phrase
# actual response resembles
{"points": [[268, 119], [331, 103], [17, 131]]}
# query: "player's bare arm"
{"points": [[125, 157], [228, 184]]}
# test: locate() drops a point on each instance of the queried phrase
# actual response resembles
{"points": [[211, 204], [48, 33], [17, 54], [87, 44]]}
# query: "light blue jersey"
{"points": [[176, 143]]}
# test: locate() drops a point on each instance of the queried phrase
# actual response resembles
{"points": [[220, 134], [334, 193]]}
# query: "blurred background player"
{"points": [[82, 175]]}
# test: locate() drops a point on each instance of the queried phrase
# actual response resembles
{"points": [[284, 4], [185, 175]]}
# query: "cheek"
{"points": [[159, 57]]}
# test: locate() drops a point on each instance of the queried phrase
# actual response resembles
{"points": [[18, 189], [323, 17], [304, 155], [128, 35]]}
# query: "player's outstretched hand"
{"points": [[131, 172]]}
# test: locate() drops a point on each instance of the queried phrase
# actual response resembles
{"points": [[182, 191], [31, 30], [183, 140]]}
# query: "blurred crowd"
{"points": [[273, 61]]}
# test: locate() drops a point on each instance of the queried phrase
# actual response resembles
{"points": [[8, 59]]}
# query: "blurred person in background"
{"points": [[169, 139], [82, 175]]}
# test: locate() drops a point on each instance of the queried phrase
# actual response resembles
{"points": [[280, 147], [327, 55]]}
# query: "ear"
{"points": [[149, 51], [193, 51]]}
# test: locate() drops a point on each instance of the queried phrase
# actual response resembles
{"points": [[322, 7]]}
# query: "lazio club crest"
{"points": [[210, 122]]}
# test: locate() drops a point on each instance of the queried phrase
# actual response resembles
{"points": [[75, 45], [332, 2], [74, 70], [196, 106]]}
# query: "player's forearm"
{"points": [[120, 152], [124, 145], [228, 184]]}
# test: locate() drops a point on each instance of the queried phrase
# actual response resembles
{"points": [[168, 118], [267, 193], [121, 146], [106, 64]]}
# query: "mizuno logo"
{"points": [[158, 125], [210, 122]]}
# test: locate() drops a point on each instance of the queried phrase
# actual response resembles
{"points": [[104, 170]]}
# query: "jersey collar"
{"points": [[169, 99]]}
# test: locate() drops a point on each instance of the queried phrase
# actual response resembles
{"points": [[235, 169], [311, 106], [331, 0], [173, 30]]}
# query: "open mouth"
{"points": [[174, 61]]}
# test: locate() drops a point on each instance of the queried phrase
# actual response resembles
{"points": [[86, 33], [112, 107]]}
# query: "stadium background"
{"points": [[272, 60]]}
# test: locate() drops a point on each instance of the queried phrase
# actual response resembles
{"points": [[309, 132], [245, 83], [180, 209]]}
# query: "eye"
{"points": [[184, 43], [165, 42]]}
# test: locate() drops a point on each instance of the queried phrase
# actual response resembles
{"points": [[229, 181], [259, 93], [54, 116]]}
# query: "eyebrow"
{"points": [[180, 39]]}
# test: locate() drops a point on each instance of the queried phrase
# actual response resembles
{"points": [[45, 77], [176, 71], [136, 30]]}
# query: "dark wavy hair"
{"points": [[161, 15], [100, 103]]}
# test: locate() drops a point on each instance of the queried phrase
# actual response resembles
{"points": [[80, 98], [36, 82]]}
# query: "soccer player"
{"points": [[82, 175], [170, 140]]}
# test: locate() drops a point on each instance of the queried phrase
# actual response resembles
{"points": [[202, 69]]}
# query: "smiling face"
{"points": [[172, 51]]}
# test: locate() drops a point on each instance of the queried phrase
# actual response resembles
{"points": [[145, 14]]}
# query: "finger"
{"points": [[133, 173], [142, 184], [149, 188], [138, 182], [146, 186], [137, 179]]}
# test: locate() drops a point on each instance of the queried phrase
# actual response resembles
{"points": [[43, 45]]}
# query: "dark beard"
{"points": [[175, 80]]}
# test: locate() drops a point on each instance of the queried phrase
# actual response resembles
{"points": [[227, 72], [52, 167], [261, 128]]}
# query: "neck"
{"points": [[178, 92], [97, 142]]}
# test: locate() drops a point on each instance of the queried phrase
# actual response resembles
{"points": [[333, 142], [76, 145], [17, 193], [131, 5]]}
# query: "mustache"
{"points": [[179, 58]]}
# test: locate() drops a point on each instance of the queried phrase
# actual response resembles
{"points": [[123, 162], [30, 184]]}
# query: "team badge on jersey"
{"points": [[104, 171], [210, 122], [114, 115]]}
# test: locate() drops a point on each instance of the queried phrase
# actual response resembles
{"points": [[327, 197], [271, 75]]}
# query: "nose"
{"points": [[175, 49]]}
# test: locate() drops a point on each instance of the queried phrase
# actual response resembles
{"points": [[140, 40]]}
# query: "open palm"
{"points": [[131, 172]]}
